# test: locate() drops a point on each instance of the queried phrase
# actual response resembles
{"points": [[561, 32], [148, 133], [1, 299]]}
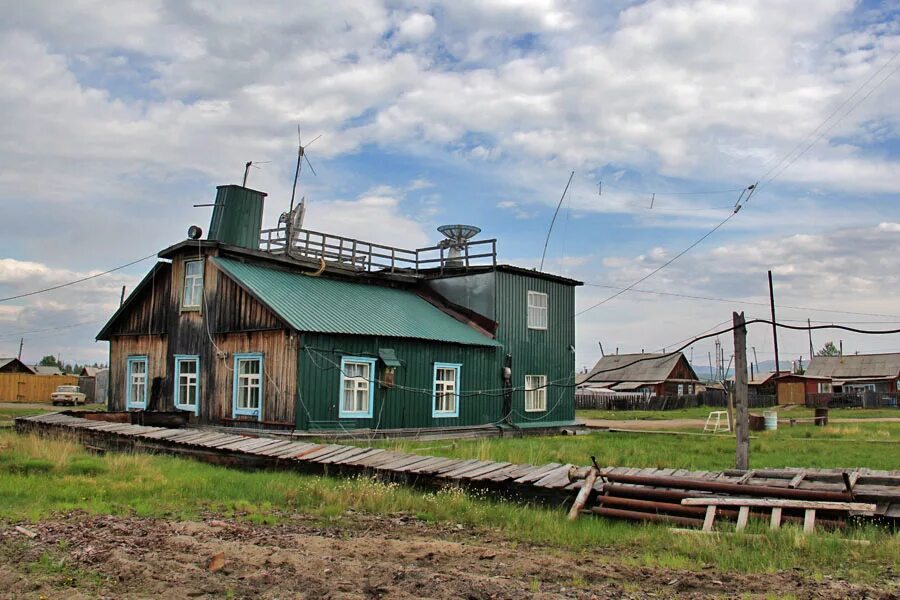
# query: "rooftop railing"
{"points": [[371, 257]]}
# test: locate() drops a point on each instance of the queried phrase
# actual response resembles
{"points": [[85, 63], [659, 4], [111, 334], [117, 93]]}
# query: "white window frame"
{"points": [[192, 286], [130, 380], [192, 381], [440, 388], [536, 393], [538, 310], [253, 380], [358, 384]]}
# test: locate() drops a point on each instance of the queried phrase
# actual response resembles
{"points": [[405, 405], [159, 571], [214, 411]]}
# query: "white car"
{"points": [[67, 394]]}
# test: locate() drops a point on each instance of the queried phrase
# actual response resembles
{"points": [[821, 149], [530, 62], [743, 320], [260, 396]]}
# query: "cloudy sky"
{"points": [[118, 116]]}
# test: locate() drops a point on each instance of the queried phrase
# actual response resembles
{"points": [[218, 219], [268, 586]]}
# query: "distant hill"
{"points": [[764, 365]]}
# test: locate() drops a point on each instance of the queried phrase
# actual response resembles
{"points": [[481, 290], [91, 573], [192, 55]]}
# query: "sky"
{"points": [[118, 117]]}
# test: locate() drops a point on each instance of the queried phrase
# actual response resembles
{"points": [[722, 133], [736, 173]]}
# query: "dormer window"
{"points": [[193, 285]]}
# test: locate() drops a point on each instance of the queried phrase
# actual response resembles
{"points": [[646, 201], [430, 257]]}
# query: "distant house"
{"points": [[857, 372], [89, 371], [14, 365], [47, 370], [298, 329], [651, 374]]}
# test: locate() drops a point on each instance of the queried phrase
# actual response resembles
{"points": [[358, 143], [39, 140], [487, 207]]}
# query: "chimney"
{"points": [[237, 216]]}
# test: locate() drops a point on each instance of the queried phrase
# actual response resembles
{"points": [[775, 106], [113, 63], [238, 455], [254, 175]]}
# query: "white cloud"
{"points": [[416, 27]]}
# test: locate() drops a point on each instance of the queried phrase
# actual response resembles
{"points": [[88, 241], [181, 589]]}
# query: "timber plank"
{"points": [[557, 477], [326, 451], [476, 474], [352, 460], [538, 473], [161, 434], [308, 450], [241, 445], [339, 456], [258, 450], [410, 460], [378, 459], [226, 440], [290, 450], [198, 437], [271, 450], [503, 474], [461, 471], [424, 468], [221, 438], [453, 466]]}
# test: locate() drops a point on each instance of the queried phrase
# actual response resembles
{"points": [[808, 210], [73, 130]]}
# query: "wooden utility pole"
{"points": [[21, 343], [122, 296], [809, 331], [774, 326], [742, 418]]}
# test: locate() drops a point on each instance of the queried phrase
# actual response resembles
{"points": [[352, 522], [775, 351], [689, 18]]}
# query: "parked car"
{"points": [[67, 394]]}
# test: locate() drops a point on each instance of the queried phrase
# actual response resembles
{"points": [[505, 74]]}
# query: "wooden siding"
{"points": [[396, 408], [538, 352], [239, 324], [27, 387]]}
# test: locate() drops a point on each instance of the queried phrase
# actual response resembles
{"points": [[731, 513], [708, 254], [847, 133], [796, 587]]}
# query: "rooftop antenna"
{"points": [[556, 212], [301, 156], [458, 237], [253, 164]]}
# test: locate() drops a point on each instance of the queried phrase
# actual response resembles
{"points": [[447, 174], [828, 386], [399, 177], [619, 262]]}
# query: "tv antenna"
{"points": [[555, 213], [252, 163], [301, 156]]}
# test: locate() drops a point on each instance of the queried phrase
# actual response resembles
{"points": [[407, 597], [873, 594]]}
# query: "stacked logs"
{"points": [[658, 498]]}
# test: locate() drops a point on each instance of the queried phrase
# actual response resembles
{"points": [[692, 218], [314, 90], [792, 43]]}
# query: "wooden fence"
{"points": [[25, 387]]}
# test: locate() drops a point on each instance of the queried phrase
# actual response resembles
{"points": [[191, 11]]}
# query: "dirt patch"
{"points": [[366, 557]]}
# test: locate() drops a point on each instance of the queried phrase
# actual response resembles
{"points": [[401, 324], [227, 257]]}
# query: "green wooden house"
{"points": [[295, 329]]}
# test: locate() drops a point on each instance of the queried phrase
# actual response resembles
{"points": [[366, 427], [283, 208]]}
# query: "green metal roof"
{"points": [[331, 306]]}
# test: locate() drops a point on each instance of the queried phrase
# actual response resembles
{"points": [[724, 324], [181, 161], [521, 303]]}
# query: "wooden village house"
{"points": [[329, 333], [659, 375]]}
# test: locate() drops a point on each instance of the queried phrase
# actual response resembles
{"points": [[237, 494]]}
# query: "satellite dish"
{"points": [[458, 237], [194, 232]]}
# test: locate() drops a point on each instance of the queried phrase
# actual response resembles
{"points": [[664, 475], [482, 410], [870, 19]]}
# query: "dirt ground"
{"points": [[366, 557]]}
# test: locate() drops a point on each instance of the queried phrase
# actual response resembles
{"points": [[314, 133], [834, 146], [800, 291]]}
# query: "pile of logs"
{"points": [[696, 502]]}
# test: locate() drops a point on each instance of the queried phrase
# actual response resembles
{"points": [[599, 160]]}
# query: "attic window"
{"points": [[193, 284], [537, 310]]}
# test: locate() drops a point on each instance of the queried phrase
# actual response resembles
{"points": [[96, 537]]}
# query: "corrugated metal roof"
{"points": [[635, 367], [855, 366], [330, 306]]}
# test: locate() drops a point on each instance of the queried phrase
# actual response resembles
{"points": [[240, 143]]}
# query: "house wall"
{"points": [[409, 403], [237, 323], [538, 352]]}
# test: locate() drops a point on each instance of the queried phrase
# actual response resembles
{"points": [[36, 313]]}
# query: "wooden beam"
{"points": [[775, 522], [780, 503], [809, 520], [743, 515], [710, 517], [581, 499], [797, 479]]}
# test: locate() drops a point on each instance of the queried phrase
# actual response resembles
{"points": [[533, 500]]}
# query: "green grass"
{"points": [[9, 414], [701, 412], [41, 477], [802, 446]]}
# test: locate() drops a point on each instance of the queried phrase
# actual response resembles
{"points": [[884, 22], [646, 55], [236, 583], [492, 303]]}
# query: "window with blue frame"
{"points": [[357, 387], [446, 390], [248, 389], [136, 382], [187, 383]]}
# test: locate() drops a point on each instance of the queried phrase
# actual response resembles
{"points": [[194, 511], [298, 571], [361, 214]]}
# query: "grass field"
{"points": [[40, 478], [701, 412], [8, 413]]}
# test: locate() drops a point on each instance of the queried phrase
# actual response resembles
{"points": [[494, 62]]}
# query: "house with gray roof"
{"points": [[858, 372], [669, 375]]}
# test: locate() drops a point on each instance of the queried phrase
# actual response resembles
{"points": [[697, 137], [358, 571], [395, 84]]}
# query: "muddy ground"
{"points": [[365, 557]]}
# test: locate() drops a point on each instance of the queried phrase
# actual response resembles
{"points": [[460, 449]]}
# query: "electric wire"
{"points": [[76, 281]]}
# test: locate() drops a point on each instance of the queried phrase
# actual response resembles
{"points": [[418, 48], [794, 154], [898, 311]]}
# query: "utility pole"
{"points": [[809, 331], [774, 327], [122, 297], [756, 360], [742, 425], [21, 343], [709, 356]]}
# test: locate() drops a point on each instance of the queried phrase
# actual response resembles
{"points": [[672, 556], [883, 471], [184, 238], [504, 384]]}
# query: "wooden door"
{"points": [[791, 393]]}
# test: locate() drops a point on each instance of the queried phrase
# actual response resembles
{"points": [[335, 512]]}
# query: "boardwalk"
{"points": [[548, 481]]}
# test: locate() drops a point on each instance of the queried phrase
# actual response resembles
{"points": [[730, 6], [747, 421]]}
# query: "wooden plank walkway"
{"points": [[880, 487]]}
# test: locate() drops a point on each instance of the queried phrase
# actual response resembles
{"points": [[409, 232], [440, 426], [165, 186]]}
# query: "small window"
{"points": [[535, 393], [446, 390], [193, 284], [537, 310], [357, 387], [248, 378], [136, 392], [681, 389], [187, 383]]}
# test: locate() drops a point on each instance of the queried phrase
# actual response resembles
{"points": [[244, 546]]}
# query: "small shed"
{"points": [[14, 365]]}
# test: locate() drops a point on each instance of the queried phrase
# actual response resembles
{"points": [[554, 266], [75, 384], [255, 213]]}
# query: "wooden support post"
{"points": [[743, 515], [583, 494], [742, 418], [710, 517], [797, 479], [809, 520], [775, 523]]}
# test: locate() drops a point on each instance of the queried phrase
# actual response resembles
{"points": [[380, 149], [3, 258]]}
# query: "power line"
{"points": [[67, 284], [737, 207], [741, 301], [19, 333]]}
